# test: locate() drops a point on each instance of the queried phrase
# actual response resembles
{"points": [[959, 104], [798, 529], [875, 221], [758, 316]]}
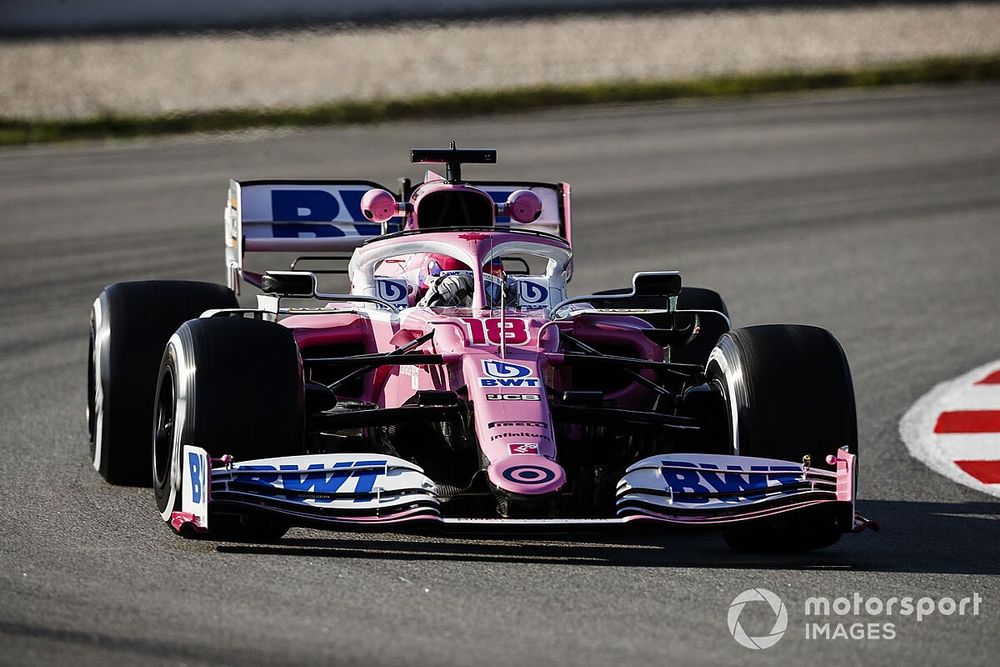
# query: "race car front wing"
{"points": [[374, 490]]}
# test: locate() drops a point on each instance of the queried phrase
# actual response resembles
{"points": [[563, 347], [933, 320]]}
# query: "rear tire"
{"points": [[701, 298], [230, 386], [130, 324], [712, 327], [690, 298], [788, 394]]}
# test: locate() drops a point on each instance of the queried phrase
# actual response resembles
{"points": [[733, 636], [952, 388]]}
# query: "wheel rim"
{"points": [[726, 384], [164, 425], [91, 390]]}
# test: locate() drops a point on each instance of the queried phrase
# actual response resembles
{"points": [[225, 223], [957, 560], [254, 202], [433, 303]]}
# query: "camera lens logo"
{"points": [[780, 618]]}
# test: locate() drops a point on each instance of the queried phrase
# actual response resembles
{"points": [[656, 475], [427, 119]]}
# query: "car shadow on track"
{"points": [[918, 537]]}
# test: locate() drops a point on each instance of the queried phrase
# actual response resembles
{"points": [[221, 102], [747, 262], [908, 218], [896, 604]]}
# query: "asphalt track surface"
{"points": [[875, 214]]}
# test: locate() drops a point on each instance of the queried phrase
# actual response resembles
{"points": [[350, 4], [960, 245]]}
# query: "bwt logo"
{"points": [[392, 291], [501, 369], [300, 213], [503, 374], [707, 479], [751, 596], [529, 293], [316, 205], [316, 479]]}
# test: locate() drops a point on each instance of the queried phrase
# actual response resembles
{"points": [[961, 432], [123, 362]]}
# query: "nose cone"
{"points": [[527, 475]]}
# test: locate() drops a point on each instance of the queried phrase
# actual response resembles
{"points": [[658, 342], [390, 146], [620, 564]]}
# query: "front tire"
{"points": [[230, 386], [130, 324], [788, 394]]}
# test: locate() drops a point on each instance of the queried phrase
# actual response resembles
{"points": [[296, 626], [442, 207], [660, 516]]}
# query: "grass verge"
{"points": [[513, 100]]}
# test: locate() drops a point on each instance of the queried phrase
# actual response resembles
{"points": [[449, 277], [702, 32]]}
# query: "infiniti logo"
{"points": [[780, 618]]}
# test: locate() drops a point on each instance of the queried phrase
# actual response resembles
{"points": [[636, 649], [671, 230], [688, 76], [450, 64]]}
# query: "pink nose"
{"points": [[524, 206], [379, 205], [528, 475]]}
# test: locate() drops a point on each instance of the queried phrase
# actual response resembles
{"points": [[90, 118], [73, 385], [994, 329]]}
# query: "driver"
{"points": [[455, 286]]}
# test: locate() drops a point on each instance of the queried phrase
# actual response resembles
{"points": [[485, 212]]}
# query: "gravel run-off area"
{"points": [[163, 74]]}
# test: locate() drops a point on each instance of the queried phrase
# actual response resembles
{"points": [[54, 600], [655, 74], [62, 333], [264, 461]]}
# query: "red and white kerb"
{"points": [[955, 429]]}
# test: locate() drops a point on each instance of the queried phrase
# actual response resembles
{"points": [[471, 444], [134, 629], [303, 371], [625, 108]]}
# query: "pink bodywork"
{"points": [[500, 354], [505, 388], [523, 206], [379, 205]]}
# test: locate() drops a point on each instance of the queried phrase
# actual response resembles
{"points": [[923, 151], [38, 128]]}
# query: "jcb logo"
{"points": [[513, 397]]}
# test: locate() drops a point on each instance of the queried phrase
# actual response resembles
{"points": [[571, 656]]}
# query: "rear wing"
{"points": [[311, 217]]}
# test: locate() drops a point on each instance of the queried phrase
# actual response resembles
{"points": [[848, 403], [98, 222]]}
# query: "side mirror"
{"points": [[380, 205], [299, 284], [656, 283], [522, 206]]}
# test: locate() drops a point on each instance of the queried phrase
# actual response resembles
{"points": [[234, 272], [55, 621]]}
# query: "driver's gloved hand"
{"points": [[454, 290]]}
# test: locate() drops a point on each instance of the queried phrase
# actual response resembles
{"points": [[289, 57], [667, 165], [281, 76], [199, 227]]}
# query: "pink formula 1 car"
{"points": [[456, 384]]}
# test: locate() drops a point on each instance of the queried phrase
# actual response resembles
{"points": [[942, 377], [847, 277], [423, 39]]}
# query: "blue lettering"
{"points": [[509, 382], [194, 461], [295, 205], [366, 478], [352, 202], [499, 197], [305, 230], [260, 478], [368, 229], [705, 478], [316, 482], [794, 473], [685, 481], [732, 482]]}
